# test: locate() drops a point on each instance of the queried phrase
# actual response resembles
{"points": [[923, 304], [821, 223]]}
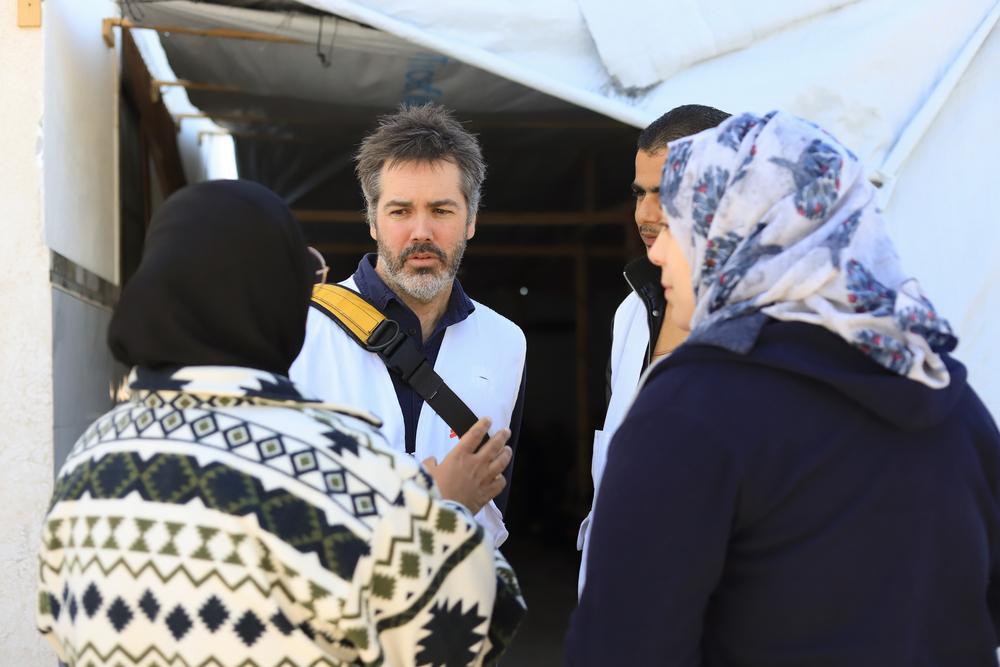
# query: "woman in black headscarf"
{"points": [[225, 280], [218, 470]]}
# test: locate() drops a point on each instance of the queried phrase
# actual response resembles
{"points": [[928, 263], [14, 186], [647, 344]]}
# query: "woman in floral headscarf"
{"points": [[830, 490]]}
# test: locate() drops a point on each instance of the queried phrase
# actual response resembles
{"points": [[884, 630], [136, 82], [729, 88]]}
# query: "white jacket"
{"points": [[481, 359], [629, 342]]}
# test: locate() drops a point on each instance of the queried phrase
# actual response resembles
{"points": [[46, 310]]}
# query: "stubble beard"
{"points": [[424, 283], [648, 229]]}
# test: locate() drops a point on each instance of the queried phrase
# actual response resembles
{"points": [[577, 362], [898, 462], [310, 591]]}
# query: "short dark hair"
{"points": [[425, 133], [679, 122]]}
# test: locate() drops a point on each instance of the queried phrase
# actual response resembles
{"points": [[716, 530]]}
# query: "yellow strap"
{"points": [[350, 308]]}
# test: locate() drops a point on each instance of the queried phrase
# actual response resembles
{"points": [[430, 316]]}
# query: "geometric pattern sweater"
{"points": [[217, 518]]}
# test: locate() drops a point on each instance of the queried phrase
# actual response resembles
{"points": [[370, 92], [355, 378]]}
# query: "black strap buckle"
{"points": [[387, 333], [401, 355]]}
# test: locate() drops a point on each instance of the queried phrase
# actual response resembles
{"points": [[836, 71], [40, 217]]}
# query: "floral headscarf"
{"points": [[775, 216]]}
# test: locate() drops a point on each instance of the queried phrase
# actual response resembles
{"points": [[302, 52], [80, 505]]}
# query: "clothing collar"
{"points": [[232, 384], [823, 357], [644, 278], [233, 381], [372, 287]]}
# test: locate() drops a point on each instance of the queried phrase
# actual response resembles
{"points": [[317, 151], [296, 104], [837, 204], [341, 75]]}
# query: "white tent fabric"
{"points": [[862, 69], [888, 77], [641, 48], [945, 223], [372, 67], [910, 85]]}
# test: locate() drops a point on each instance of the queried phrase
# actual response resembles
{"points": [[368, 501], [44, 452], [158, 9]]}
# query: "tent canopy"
{"points": [[864, 69], [556, 88]]}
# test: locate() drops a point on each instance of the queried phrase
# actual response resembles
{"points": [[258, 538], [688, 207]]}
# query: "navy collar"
{"points": [[373, 288]]}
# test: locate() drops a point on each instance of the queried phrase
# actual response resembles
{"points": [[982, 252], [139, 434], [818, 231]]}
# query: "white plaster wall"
{"points": [[25, 341], [81, 135], [944, 220]]}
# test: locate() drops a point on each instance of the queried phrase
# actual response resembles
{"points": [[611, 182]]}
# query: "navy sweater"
{"points": [[795, 506]]}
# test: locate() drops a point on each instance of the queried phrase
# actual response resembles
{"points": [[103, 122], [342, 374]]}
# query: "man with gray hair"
{"points": [[422, 174]]}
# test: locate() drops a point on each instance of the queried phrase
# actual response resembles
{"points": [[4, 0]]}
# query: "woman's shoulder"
{"points": [[698, 375]]}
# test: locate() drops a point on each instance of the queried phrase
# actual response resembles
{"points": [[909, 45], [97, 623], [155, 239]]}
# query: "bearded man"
{"points": [[421, 174]]}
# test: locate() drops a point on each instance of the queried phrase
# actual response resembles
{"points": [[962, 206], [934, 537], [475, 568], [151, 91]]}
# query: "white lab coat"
{"points": [[481, 359], [630, 340]]}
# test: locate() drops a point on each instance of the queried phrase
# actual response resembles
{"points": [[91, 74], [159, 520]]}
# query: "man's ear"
{"points": [[470, 228], [372, 232]]}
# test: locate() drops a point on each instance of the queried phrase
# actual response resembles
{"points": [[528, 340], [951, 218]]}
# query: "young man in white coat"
{"points": [[642, 332], [422, 175]]}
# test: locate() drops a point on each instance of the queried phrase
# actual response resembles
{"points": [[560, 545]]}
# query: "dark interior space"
{"points": [[554, 231], [561, 284]]}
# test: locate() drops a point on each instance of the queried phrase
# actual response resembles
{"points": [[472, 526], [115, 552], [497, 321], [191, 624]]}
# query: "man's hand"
{"points": [[470, 477]]}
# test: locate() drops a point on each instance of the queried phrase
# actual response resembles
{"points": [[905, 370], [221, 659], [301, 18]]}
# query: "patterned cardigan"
{"points": [[218, 518]]}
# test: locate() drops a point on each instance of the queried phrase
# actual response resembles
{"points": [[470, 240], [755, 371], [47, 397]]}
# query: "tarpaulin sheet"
{"points": [[874, 72]]}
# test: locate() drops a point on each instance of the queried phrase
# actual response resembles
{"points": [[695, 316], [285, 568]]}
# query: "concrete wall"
{"points": [[945, 225], [81, 87], [58, 269], [25, 339]]}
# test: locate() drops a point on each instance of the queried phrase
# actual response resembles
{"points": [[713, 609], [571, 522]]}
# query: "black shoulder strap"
{"points": [[373, 331]]}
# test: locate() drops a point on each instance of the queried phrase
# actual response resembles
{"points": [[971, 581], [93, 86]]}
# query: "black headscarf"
{"points": [[224, 281]]}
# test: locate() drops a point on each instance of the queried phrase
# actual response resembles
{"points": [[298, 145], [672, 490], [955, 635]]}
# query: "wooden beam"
{"points": [[157, 84], [254, 136], [212, 133], [252, 119], [490, 218], [224, 33], [147, 186], [546, 124], [553, 218], [584, 434], [590, 183], [472, 125], [196, 85], [633, 242], [329, 215], [541, 250], [492, 250], [232, 117]]}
